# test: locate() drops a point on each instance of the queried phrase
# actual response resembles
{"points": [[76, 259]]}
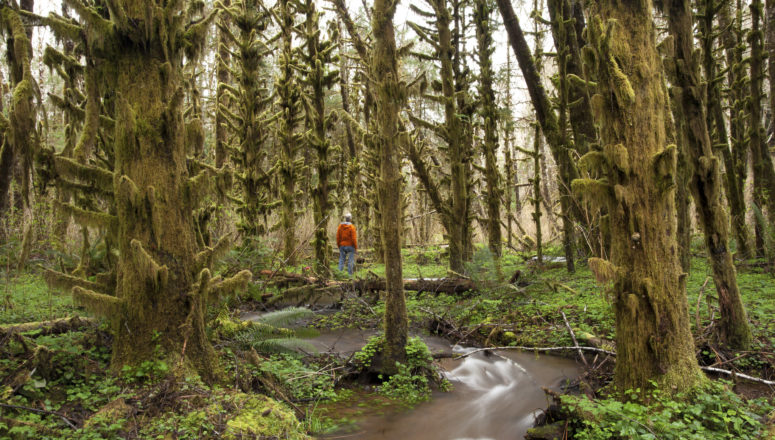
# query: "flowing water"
{"points": [[495, 396]]}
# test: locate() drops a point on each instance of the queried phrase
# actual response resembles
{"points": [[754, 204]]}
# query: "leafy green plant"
{"points": [[709, 412], [411, 384]]}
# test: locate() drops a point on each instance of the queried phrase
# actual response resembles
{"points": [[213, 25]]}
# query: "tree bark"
{"points": [[221, 98], [389, 100], [705, 182], [652, 324], [547, 119], [763, 171], [482, 19]]}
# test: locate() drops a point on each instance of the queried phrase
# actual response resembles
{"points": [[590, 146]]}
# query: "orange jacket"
{"points": [[346, 236]]}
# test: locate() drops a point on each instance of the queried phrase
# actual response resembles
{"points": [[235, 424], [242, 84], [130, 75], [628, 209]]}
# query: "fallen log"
{"points": [[53, 327], [312, 287], [435, 285]]}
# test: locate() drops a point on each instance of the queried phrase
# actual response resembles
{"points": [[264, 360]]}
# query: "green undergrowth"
{"points": [[26, 298], [66, 373], [412, 383], [706, 413]]}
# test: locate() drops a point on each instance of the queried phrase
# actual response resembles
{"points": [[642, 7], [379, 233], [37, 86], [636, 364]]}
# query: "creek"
{"points": [[495, 396]]}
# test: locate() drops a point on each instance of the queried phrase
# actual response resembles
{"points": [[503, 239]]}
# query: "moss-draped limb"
{"points": [[206, 257], [429, 183], [89, 218], [72, 169], [147, 265], [344, 15], [220, 287], [61, 27], [101, 26], [61, 281], [101, 304]]}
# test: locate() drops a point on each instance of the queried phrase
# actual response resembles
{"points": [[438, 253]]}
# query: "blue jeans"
{"points": [[344, 251]]}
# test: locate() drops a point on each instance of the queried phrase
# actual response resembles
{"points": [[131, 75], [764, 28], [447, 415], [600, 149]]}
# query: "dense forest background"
{"points": [[168, 165]]}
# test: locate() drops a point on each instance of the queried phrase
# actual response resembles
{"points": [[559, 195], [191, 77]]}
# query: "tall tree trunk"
{"points": [[319, 77], [155, 282], [652, 323], [718, 128], [289, 97], [705, 183], [547, 119], [221, 97], [763, 172], [21, 132], [482, 18], [735, 161], [384, 71]]}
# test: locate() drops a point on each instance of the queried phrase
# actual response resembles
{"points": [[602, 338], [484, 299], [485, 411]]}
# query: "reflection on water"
{"points": [[495, 396]]}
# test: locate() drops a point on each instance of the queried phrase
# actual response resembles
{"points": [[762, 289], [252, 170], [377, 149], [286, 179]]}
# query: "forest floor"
{"points": [[55, 384]]}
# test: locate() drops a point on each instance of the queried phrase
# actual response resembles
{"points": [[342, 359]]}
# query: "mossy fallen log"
{"points": [[311, 287], [53, 327]]}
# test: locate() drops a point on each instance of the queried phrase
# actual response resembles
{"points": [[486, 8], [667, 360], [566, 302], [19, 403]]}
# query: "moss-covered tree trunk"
{"points": [[676, 133], [319, 76], [482, 20], [763, 172], [156, 303], [457, 151], [652, 324], [221, 97], [289, 100], [20, 129], [705, 182], [717, 126], [390, 97]]}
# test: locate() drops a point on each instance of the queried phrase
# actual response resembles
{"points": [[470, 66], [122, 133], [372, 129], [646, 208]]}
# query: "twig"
{"points": [[741, 375], [70, 422], [573, 336]]}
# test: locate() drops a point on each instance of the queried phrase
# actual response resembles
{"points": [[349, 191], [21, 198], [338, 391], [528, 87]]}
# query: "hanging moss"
{"points": [[89, 218], [617, 157], [594, 191], [222, 287], [72, 169], [145, 264], [664, 166], [63, 282], [101, 304], [604, 270]]}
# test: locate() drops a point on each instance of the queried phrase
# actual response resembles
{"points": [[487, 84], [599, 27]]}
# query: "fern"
{"points": [[267, 335], [281, 345], [282, 318]]}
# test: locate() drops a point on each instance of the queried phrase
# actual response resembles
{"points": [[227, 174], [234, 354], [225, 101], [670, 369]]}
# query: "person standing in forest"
{"points": [[347, 240]]}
